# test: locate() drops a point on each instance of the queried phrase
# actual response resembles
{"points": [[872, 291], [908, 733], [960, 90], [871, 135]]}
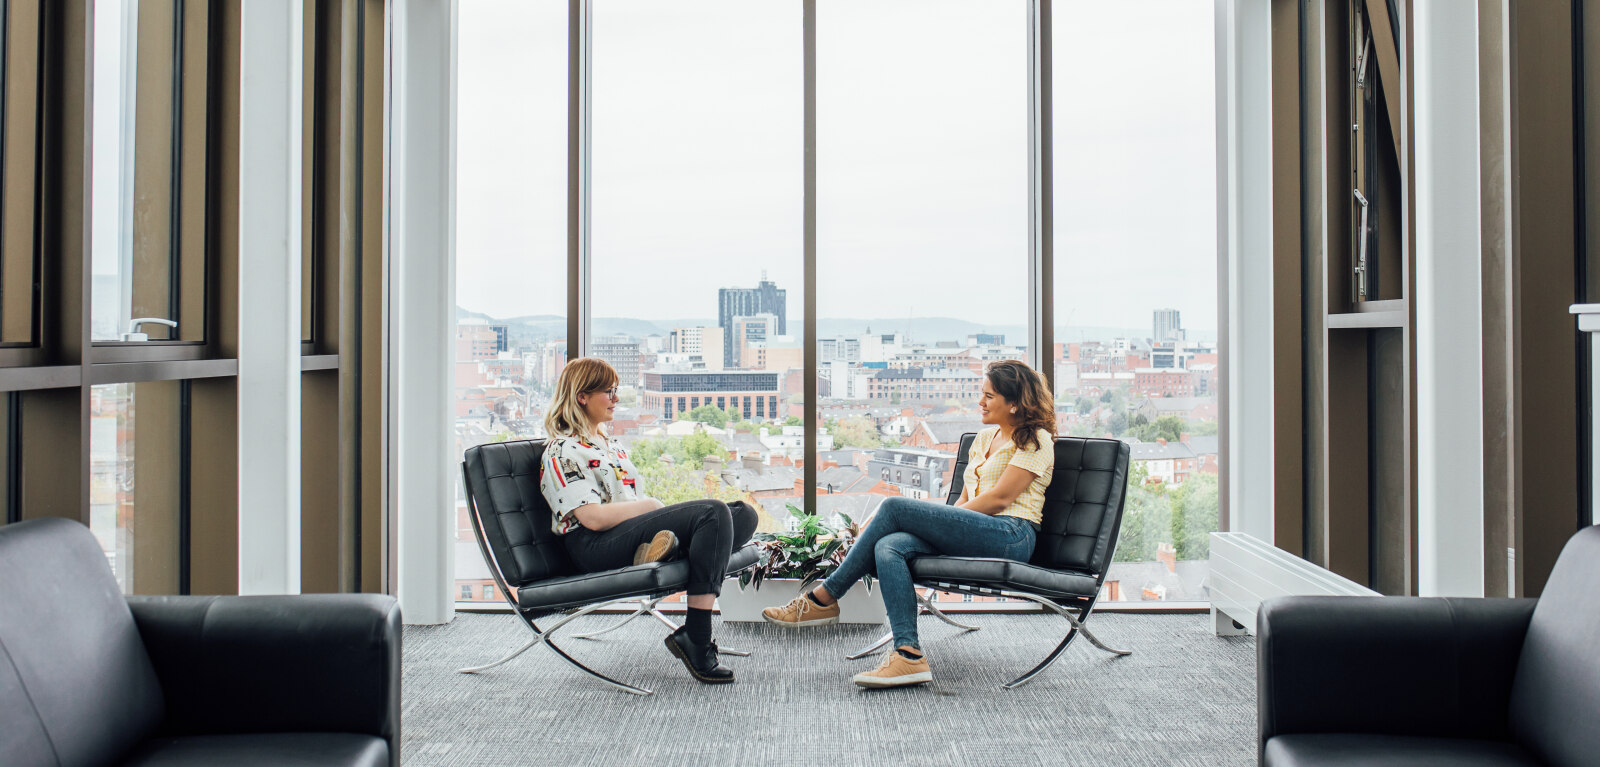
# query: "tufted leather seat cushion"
{"points": [[1003, 573], [638, 580]]}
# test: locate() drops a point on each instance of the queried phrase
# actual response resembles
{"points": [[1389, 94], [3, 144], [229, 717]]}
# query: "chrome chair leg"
{"points": [[645, 606], [927, 602], [1044, 664], [872, 648], [1077, 628], [544, 637]]}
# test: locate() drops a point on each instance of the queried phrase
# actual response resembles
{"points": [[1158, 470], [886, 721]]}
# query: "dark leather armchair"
{"points": [[511, 520], [1406, 680], [1078, 537], [88, 677]]}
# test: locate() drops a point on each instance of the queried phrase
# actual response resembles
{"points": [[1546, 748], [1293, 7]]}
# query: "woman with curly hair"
{"points": [[607, 522], [998, 515]]}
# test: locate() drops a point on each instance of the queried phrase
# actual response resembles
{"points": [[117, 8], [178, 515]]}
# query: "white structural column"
{"points": [[420, 316], [1244, 242], [269, 297], [1448, 302]]}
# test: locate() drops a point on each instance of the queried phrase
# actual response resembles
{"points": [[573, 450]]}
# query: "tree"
{"points": [[699, 445], [1195, 509], [1167, 427], [734, 415], [1203, 428], [676, 483], [855, 431], [1117, 424], [627, 396], [793, 420], [710, 415], [1146, 518]]}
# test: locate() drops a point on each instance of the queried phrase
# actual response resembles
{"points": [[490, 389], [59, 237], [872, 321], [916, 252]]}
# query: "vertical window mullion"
{"points": [[1041, 255], [809, 364]]}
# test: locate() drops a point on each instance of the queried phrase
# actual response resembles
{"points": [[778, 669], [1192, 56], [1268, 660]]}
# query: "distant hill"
{"points": [[918, 329]]}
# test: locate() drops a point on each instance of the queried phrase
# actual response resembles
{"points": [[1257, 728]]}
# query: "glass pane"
{"points": [[922, 179], [698, 173], [137, 179], [511, 229], [1136, 273], [134, 453]]}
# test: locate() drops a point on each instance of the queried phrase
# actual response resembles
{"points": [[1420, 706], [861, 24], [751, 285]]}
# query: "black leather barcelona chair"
{"points": [[530, 565], [1082, 514]]}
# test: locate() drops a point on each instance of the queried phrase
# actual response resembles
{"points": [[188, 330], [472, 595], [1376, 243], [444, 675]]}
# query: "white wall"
{"points": [[1449, 304]]}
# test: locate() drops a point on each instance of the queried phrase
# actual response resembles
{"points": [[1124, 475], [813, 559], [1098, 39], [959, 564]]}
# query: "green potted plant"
{"points": [[791, 563]]}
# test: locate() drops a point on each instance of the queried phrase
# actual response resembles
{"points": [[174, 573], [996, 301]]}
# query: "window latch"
{"points": [[133, 333]]}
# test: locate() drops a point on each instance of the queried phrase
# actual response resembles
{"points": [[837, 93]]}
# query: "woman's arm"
{"points": [[604, 516], [995, 500]]}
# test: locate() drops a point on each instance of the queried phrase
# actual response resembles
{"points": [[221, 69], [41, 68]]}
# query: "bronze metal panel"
{"points": [[1389, 558], [152, 518], [55, 463], [152, 263], [214, 487], [21, 160], [1543, 209], [319, 482], [375, 505], [1498, 274], [1288, 457], [1348, 455], [193, 196]]}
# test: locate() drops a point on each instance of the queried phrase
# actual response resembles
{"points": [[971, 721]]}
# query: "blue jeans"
{"points": [[905, 529]]}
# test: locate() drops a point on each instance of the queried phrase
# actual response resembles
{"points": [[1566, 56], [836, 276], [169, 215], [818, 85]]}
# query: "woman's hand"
{"points": [[604, 516]]}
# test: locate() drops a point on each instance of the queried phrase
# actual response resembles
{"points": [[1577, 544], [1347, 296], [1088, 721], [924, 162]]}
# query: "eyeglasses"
{"points": [[611, 392]]}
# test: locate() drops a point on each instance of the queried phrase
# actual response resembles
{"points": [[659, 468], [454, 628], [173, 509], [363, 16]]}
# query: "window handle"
{"points": [[1361, 257], [133, 333]]}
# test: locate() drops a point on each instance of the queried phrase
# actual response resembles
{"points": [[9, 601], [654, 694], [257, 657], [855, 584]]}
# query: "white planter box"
{"points": [[857, 606]]}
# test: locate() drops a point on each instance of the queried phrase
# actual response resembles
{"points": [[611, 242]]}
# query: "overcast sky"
{"points": [[921, 152]]}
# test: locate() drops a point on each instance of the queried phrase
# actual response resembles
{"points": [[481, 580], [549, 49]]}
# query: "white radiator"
{"points": [[1246, 570]]}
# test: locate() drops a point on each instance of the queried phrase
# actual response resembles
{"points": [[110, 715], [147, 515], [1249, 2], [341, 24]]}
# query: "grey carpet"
{"points": [[1185, 697]]}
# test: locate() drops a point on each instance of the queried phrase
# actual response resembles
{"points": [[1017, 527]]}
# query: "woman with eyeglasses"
{"points": [[607, 522]]}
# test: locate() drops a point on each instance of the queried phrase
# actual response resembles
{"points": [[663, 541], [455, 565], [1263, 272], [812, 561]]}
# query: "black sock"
{"points": [[907, 652], [812, 595], [699, 625]]}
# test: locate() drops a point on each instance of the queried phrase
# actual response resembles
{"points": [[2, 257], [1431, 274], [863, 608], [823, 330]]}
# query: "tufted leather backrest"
{"points": [[503, 494], [1082, 505]]}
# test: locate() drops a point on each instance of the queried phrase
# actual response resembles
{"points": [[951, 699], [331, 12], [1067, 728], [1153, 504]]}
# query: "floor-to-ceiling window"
{"points": [[511, 235], [1136, 354], [690, 239]]}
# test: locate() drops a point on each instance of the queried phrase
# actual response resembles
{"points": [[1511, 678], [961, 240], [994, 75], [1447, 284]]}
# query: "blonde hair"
{"points": [[585, 375]]}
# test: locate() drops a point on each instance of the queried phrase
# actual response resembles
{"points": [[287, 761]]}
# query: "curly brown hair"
{"points": [[1023, 387]]}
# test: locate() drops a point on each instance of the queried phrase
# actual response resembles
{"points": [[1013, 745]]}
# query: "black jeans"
{"points": [[708, 531]]}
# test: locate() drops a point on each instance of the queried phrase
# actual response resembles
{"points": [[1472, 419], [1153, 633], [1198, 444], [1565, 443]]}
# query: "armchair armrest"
{"points": [[311, 663], [1388, 665]]}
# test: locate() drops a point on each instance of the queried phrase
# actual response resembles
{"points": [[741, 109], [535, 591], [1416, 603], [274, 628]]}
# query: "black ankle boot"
{"points": [[701, 659]]}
